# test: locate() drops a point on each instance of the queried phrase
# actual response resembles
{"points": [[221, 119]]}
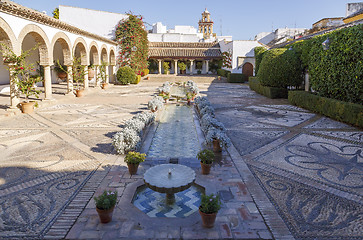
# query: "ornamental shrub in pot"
{"points": [[133, 159], [206, 158], [105, 203], [208, 209]]}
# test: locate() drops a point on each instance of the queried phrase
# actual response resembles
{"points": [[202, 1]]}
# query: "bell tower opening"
{"points": [[206, 25]]}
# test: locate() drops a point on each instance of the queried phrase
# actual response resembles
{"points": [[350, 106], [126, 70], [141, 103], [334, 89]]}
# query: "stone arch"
{"points": [[7, 36], [247, 69], [80, 50], [112, 57], [94, 53], [104, 54], [40, 38], [66, 44]]}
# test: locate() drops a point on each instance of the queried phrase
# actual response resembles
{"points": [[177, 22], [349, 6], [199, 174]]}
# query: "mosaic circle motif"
{"points": [[154, 204]]}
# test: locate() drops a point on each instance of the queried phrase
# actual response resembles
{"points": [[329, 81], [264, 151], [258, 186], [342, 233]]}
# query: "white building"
{"points": [[280, 35], [243, 55], [98, 22]]}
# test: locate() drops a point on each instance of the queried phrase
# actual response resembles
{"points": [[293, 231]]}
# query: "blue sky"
{"points": [[242, 19]]}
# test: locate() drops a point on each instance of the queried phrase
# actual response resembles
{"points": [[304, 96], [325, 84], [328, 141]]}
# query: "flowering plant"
{"points": [[207, 109], [201, 102], [102, 72], [106, 200], [208, 121], [135, 157], [206, 156], [78, 72], [135, 124], [217, 134], [155, 103], [146, 117], [210, 203], [126, 140], [21, 71]]}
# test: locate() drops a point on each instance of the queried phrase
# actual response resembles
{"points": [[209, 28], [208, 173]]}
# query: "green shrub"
{"points": [[125, 75], [146, 72], [223, 73], [338, 71], [270, 92], [342, 111], [237, 78], [280, 68], [259, 52]]}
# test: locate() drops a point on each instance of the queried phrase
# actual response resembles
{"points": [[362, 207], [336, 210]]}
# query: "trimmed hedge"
{"points": [[338, 71], [270, 92], [280, 68], [223, 73], [237, 78], [342, 111], [259, 52], [137, 79], [125, 75]]}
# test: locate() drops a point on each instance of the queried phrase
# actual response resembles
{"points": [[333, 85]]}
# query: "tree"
{"points": [[131, 37], [56, 13]]}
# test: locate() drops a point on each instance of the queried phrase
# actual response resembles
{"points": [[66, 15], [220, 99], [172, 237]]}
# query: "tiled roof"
{"points": [[184, 50]]}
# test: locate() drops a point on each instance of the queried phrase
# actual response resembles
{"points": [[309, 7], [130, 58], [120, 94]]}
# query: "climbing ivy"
{"points": [[131, 37]]}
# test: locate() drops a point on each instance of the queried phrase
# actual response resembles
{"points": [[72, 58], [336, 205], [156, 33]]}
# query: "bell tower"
{"points": [[206, 24]]}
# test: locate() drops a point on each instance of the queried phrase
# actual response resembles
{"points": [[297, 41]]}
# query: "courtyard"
{"points": [[289, 173]]}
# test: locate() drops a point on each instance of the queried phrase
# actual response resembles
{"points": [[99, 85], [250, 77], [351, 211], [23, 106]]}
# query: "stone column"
{"points": [[69, 81], [108, 74], [14, 94], [114, 73], [206, 66], [175, 67], [47, 83], [97, 82], [86, 77], [191, 67], [159, 61]]}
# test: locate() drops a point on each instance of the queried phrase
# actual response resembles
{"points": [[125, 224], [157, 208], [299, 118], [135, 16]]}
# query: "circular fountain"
{"points": [[169, 179]]}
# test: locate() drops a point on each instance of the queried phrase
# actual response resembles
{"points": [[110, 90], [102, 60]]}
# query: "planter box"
{"points": [[350, 113], [270, 92]]}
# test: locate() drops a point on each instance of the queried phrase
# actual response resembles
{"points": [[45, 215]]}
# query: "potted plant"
{"points": [[218, 138], [133, 159], [155, 103], [91, 72], [102, 75], [182, 66], [61, 70], [206, 158], [21, 73], [165, 96], [78, 74], [208, 209], [166, 67], [105, 203], [189, 96]]}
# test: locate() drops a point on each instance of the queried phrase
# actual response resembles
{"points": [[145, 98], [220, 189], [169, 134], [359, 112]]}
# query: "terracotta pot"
{"points": [[208, 219], [105, 215], [104, 85], [216, 146], [27, 107], [205, 168], [219, 77], [91, 73], [62, 75], [132, 168], [147, 78], [154, 110], [165, 100], [79, 92]]}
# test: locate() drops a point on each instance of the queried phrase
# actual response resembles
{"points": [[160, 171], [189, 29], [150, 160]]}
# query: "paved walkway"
{"points": [[289, 173]]}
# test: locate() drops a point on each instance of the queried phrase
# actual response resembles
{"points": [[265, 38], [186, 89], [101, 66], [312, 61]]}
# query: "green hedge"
{"points": [[270, 92], [342, 111], [223, 73], [237, 78], [280, 68], [338, 71], [126, 75], [259, 52], [137, 79]]}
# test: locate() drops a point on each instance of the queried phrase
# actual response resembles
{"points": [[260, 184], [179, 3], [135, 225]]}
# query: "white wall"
{"points": [[173, 37], [159, 28], [265, 37], [94, 21], [353, 8]]}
